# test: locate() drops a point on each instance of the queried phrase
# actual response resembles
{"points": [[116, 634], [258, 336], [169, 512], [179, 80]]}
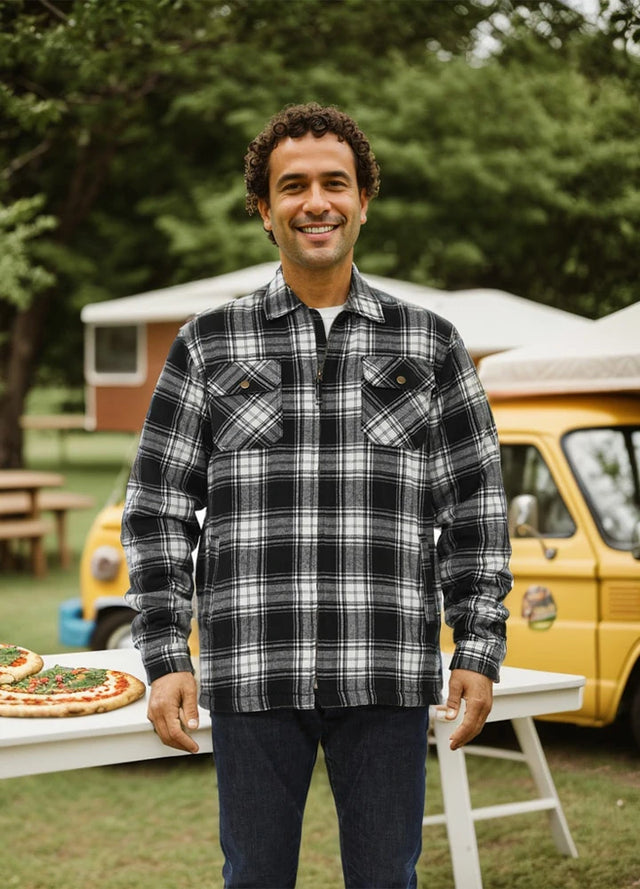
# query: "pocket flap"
{"points": [[244, 377], [396, 372]]}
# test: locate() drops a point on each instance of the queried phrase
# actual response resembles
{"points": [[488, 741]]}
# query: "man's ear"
{"points": [[364, 206], [265, 212]]}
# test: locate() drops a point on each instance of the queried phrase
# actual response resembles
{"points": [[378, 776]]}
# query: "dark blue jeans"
{"points": [[376, 758]]}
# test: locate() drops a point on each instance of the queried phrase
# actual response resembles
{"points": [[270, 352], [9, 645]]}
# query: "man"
{"points": [[325, 460]]}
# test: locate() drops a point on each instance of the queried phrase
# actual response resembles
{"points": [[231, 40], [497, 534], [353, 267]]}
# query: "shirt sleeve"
{"points": [[470, 510], [160, 530]]}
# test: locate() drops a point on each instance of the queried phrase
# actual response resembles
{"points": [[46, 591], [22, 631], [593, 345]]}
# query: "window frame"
{"points": [[594, 512], [100, 378], [528, 443]]}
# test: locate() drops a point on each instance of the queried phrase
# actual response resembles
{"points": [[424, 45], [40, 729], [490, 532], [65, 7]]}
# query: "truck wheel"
{"points": [[113, 630], [634, 715]]}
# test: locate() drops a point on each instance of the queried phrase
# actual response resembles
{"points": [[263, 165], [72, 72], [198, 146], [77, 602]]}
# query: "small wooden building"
{"points": [[127, 340]]}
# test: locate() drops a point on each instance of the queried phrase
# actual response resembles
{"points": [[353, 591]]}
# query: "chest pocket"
{"points": [[396, 393], [245, 400]]}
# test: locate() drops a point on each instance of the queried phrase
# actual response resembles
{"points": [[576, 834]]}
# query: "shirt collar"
{"points": [[280, 299], [363, 300]]}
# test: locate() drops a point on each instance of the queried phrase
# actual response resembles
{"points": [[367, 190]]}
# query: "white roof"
{"points": [[603, 358], [487, 320]]}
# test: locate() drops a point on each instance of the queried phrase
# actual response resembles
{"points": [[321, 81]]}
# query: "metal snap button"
{"points": [[401, 380], [245, 384]]}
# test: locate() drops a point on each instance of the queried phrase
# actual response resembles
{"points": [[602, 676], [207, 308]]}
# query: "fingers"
{"points": [[173, 710], [477, 692]]}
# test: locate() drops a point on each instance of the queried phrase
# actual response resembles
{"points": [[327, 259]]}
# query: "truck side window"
{"points": [[606, 463], [525, 472]]}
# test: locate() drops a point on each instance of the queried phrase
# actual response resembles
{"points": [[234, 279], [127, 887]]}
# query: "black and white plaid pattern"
{"points": [[324, 467]]}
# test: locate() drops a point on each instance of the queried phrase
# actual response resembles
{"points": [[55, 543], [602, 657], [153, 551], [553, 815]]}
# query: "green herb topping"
{"points": [[8, 655], [60, 680]]}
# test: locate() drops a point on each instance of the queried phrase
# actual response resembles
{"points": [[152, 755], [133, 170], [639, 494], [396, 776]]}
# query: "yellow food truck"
{"points": [[571, 471]]}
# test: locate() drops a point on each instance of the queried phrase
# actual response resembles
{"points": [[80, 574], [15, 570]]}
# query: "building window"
{"points": [[115, 354]]}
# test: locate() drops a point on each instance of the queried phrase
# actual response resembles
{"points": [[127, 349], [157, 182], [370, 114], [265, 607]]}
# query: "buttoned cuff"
{"points": [[479, 656]]}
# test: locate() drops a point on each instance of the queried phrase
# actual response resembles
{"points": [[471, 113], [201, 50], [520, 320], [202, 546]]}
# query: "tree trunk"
{"points": [[27, 333], [22, 349]]}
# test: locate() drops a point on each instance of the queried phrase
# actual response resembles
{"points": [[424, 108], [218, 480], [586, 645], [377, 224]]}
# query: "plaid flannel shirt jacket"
{"points": [[324, 467]]}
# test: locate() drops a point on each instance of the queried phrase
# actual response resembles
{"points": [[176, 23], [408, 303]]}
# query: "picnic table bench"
{"points": [[61, 424], [18, 521]]}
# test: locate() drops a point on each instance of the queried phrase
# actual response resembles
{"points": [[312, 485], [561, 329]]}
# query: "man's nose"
{"points": [[316, 201]]}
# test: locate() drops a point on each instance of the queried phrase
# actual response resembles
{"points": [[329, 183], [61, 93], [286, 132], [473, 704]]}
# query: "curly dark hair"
{"points": [[296, 121]]}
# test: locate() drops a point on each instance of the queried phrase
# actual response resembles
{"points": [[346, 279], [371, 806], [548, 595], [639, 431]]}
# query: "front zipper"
{"points": [[319, 384], [321, 353], [321, 350]]}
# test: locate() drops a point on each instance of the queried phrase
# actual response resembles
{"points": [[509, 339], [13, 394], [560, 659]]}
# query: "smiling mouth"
{"points": [[316, 229]]}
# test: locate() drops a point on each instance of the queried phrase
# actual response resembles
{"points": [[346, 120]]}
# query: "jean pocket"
{"points": [[246, 404], [396, 393]]}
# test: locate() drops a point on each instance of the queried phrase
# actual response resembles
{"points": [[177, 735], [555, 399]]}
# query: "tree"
{"points": [[118, 110], [521, 173], [21, 276], [75, 87]]}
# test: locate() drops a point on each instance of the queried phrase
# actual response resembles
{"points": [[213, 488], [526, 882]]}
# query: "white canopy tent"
{"points": [[603, 358], [488, 320]]}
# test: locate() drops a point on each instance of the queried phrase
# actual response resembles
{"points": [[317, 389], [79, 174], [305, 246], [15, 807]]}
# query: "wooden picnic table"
{"points": [[51, 500], [29, 525]]}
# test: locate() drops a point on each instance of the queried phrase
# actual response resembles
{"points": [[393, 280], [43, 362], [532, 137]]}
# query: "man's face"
{"points": [[315, 209]]}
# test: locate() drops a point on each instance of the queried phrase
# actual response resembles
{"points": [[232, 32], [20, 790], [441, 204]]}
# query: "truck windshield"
{"points": [[606, 463]]}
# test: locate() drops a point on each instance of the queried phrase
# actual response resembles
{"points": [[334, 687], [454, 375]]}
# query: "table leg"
{"points": [[536, 760], [38, 558], [457, 810], [60, 516]]}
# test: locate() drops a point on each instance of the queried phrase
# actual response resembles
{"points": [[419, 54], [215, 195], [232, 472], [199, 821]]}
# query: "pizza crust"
{"points": [[26, 664]]}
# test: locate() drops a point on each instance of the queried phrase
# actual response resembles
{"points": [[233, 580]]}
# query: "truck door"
{"points": [[606, 463], [554, 601]]}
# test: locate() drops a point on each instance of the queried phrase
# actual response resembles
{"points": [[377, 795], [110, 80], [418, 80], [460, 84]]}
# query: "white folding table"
{"points": [[34, 746], [518, 697]]}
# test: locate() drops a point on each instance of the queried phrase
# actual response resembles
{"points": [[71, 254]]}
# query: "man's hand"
{"points": [[477, 691], [173, 708]]}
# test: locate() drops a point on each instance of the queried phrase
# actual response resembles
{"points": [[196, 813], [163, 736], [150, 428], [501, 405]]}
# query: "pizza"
{"points": [[17, 662], [69, 691]]}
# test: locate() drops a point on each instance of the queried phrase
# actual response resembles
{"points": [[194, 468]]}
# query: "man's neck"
{"points": [[319, 288]]}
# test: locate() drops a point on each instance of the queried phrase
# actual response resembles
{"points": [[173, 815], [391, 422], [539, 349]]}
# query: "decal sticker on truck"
{"points": [[539, 607]]}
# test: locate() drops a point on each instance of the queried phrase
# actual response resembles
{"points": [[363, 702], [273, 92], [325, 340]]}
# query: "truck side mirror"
{"points": [[523, 516], [635, 541], [523, 521]]}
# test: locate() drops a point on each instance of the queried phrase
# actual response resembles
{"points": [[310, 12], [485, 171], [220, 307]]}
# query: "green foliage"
{"points": [[20, 276], [516, 170], [214, 232], [512, 177]]}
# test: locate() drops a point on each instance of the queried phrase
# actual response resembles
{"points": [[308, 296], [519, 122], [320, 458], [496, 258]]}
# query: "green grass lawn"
{"points": [[154, 825]]}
